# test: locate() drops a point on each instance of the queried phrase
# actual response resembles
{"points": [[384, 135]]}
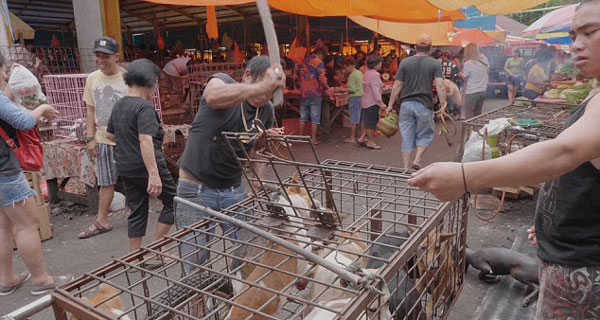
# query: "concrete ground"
{"points": [[65, 253]]}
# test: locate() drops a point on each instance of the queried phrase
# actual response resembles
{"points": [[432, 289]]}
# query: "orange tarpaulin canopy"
{"points": [[491, 7], [407, 32], [390, 10], [442, 33]]}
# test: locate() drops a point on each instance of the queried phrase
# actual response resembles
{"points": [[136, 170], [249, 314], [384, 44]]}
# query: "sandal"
{"points": [[37, 290], [417, 167], [361, 143], [6, 290], [373, 147], [100, 229]]}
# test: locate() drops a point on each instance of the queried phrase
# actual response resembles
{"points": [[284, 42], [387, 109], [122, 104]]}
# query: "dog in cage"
{"points": [[294, 229], [436, 268], [112, 301], [254, 297]]}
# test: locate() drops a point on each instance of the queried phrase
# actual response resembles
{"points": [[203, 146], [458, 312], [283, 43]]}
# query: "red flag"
{"points": [[296, 52], [236, 55], [55, 43]]}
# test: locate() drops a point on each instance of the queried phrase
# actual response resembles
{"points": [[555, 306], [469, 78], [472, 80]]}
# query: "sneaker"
{"points": [[37, 290], [6, 290]]}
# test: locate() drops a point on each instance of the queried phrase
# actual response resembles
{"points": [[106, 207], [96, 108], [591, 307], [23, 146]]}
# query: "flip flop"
{"points": [[361, 143], [100, 229], [417, 167], [37, 290], [6, 290]]}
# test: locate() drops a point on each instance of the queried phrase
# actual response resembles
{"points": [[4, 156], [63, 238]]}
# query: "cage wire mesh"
{"points": [[198, 74], [551, 117], [65, 94], [362, 218]]}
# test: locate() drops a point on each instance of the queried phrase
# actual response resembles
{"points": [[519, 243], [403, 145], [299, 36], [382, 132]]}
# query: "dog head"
{"points": [[113, 303]]}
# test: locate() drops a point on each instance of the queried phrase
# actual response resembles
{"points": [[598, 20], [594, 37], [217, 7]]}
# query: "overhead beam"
{"points": [[140, 17], [236, 10], [25, 7], [183, 13]]}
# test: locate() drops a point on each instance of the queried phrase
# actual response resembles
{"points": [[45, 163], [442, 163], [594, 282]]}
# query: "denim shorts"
{"points": [[355, 109], [416, 125], [310, 109], [216, 199], [14, 189]]}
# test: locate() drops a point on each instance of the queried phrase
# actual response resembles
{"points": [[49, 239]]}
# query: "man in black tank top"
{"points": [[567, 223]]}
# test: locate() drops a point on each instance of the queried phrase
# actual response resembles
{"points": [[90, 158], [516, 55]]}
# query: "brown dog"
{"points": [[436, 268], [255, 297], [114, 304]]}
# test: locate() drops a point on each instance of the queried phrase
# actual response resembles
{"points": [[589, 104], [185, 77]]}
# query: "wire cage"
{"points": [[551, 116], [198, 74], [65, 94], [405, 248]]}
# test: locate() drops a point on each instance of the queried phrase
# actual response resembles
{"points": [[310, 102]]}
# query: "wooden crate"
{"points": [[34, 179]]}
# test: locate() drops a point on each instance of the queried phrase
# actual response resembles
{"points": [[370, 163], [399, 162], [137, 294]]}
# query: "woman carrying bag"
{"points": [[17, 207]]}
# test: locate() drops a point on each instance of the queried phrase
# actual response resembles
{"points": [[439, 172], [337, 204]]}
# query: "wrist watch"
{"points": [[88, 139]]}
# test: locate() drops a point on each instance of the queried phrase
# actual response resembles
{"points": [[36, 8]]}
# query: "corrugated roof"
{"points": [[135, 15]]}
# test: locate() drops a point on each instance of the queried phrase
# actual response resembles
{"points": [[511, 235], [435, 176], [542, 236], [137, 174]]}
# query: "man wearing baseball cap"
{"points": [[414, 80], [103, 88]]}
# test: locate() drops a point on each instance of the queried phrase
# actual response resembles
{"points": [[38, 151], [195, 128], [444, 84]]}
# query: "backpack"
{"points": [[30, 151]]}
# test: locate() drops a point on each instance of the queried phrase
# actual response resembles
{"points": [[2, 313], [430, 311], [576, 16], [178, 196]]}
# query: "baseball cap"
{"points": [[423, 40], [107, 45]]}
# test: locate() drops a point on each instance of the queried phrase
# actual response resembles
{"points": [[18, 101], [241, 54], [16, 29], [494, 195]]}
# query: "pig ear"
{"points": [[446, 236]]}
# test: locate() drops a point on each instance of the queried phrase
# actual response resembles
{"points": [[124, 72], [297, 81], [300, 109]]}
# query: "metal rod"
{"points": [[29, 310], [348, 276]]}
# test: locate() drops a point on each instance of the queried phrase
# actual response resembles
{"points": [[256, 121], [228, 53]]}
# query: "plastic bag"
{"points": [[26, 87], [495, 126], [473, 148], [118, 202]]}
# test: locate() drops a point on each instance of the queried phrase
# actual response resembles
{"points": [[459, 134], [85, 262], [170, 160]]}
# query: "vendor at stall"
{"points": [[538, 77]]}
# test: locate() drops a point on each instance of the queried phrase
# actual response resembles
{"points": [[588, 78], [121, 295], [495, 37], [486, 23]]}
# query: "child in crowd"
{"points": [[355, 92]]}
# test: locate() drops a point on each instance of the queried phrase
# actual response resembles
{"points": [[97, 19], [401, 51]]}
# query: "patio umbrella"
{"points": [[558, 20]]}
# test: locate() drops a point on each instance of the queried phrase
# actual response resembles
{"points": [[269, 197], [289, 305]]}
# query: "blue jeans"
{"points": [[216, 199], [416, 125], [310, 109], [14, 189]]}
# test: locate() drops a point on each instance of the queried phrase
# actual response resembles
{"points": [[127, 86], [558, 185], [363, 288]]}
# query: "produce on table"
{"points": [[575, 96], [553, 93], [571, 91], [522, 102]]}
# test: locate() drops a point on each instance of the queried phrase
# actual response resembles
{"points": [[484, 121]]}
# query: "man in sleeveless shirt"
{"points": [[567, 222], [209, 173]]}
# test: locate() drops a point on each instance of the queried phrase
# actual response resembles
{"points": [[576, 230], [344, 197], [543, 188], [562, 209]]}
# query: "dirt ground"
{"points": [[65, 253]]}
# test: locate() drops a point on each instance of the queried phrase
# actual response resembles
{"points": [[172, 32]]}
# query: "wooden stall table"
{"points": [[65, 159]]}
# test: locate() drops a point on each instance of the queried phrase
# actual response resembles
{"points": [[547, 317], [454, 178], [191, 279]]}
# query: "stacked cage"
{"points": [[65, 94], [316, 240], [547, 121], [198, 74]]}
